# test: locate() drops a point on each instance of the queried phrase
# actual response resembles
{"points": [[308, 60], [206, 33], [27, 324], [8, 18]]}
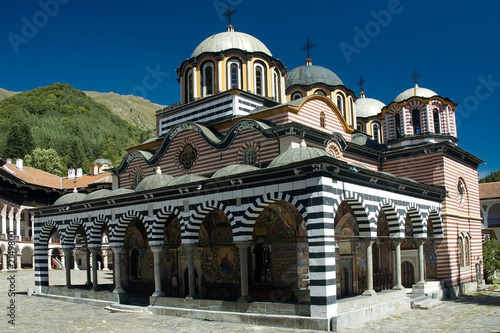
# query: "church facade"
{"points": [[282, 188]]}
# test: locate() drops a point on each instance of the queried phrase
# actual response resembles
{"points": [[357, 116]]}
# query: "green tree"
{"points": [[491, 255], [492, 177], [19, 141], [46, 160]]}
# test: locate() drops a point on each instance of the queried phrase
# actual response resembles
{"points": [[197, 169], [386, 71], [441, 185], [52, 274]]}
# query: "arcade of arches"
{"points": [[274, 264]]}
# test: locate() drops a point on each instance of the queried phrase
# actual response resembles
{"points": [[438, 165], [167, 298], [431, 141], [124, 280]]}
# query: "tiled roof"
{"points": [[489, 190], [31, 176]]}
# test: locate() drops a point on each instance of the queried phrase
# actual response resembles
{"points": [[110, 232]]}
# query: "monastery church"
{"points": [[278, 197]]}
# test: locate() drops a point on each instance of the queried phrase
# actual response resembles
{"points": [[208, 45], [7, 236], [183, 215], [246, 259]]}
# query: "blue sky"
{"points": [[134, 47]]}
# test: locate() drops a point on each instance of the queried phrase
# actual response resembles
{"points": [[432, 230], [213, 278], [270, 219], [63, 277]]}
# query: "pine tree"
{"points": [[19, 141]]}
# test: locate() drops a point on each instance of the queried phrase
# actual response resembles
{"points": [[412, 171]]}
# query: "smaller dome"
{"points": [[153, 181], [234, 169], [368, 107], [102, 161], [97, 194], [415, 91], [70, 198], [185, 179], [301, 153], [119, 191], [310, 74]]}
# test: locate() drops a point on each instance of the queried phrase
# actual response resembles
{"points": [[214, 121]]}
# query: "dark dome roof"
{"points": [[310, 74], [234, 169], [153, 181], [302, 153], [185, 179], [97, 194], [70, 198]]}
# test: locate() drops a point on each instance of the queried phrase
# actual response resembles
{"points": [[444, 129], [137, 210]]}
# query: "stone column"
{"points": [[67, 259], [18, 261], [95, 252], [157, 267], [191, 248], [369, 269], [63, 262], [49, 256], [33, 261], [11, 224], [243, 246], [5, 262], [421, 276], [105, 260], [87, 257], [75, 263], [18, 228], [116, 270], [4, 225], [397, 243]]}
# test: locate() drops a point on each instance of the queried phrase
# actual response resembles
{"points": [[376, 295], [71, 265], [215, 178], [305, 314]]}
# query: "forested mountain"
{"points": [[58, 116], [492, 177]]}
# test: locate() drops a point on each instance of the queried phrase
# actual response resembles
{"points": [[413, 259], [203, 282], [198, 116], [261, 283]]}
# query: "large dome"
{"points": [[368, 107], [415, 91], [230, 40], [311, 74]]}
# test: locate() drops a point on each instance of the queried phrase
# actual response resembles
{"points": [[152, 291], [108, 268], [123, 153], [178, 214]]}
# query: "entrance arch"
{"points": [[279, 262]]}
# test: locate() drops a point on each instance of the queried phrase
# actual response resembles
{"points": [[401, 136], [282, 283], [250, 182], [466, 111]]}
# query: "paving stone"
{"points": [[477, 313]]}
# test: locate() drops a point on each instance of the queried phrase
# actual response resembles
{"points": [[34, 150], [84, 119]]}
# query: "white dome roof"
{"points": [[415, 91], [230, 40], [367, 107]]}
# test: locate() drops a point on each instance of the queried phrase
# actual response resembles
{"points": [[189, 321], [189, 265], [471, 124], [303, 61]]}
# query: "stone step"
{"points": [[425, 304], [125, 308]]}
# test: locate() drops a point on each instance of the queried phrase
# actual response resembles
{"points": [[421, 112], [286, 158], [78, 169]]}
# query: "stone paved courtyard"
{"points": [[475, 313]]}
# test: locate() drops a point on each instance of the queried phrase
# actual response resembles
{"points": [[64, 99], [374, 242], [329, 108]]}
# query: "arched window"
{"points": [[189, 87], [234, 74], [376, 131], [207, 79], [467, 251], [320, 92], [397, 125], [461, 251], [250, 156], [460, 192], [341, 104], [359, 127], [296, 95], [437, 121], [415, 120], [277, 88], [260, 81], [322, 120]]}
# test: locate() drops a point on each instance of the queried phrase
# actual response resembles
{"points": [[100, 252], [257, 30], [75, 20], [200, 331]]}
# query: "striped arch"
{"points": [[69, 237], [265, 200], [45, 233], [396, 229], [437, 225], [117, 235], [156, 235], [193, 225], [366, 228], [419, 229], [94, 233]]}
